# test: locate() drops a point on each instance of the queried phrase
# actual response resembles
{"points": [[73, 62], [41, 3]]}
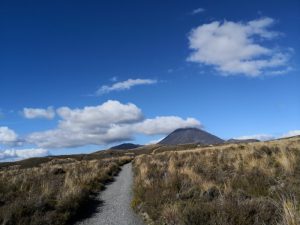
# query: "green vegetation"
{"points": [[51, 192], [231, 184]]}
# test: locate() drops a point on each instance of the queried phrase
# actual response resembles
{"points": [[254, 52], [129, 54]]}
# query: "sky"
{"points": [[79, 76]]}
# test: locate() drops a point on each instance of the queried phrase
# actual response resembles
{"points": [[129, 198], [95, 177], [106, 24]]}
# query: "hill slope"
{"points": [[241, 140], [125, 146], [190, 135]]}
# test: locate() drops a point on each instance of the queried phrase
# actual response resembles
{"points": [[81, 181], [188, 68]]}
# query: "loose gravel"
{"points": [[116, 198]]}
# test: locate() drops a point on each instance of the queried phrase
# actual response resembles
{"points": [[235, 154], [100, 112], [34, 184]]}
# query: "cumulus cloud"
{"points": [[261, 137], [291, 133], [18, 154], [238, 48], [124, 85], [164, 125], [107, 113], [7, 136], [197, 11], [107, 123], [33, 113]]}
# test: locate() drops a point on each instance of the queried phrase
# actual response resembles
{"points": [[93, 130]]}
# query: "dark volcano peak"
{"points": [[190, 135]]}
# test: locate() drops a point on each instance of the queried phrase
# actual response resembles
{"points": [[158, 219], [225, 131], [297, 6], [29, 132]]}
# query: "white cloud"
{"points": [[164, 125], [266, 137], [7, 136], [33, 113], [261, 137], [103, 124], [124, 85], [238, 48], [291, 133], [18, 154], [197, 11], [94, 116]]}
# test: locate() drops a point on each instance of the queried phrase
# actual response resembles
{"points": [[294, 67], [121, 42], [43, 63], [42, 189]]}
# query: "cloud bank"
{"points": [[124, 85], [18, 154], [261, 137], [266, 137], [238, 48], [107, 123], [291, 133], [33, 113]]}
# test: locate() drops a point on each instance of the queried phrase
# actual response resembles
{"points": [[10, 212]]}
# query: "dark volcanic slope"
{"points": [[125, 146], [190, 135]]}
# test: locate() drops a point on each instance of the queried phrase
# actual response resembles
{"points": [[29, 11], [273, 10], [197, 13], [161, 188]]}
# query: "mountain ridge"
{"points": [[189, 136], [125, 146]]}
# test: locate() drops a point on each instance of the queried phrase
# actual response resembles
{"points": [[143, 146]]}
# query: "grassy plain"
{"points": [[52, 192], [232, 184]]}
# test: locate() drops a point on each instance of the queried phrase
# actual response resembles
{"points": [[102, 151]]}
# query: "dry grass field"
{"points": [[52, 192], [232, 184]]}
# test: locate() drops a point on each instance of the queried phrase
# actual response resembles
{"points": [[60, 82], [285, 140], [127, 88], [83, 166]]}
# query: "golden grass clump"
{"points": [[290, 211]]}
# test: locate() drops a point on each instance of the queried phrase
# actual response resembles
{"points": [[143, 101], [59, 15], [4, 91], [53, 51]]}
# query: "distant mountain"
{"points": [[241, 140], [125, 146], [190, 135]]}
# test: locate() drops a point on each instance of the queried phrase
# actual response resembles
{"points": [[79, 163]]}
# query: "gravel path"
{"points": [[116, 208]]}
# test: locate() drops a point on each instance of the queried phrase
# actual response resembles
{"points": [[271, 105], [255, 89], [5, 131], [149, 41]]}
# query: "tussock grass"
{"points": [[53, 192], [233, 184], [290, 211]]}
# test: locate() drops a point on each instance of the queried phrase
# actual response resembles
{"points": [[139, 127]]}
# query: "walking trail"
{"points": [[116, 198]]}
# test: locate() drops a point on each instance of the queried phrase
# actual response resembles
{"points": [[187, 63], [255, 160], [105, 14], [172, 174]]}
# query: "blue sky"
{"points": [[78, 76]]}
